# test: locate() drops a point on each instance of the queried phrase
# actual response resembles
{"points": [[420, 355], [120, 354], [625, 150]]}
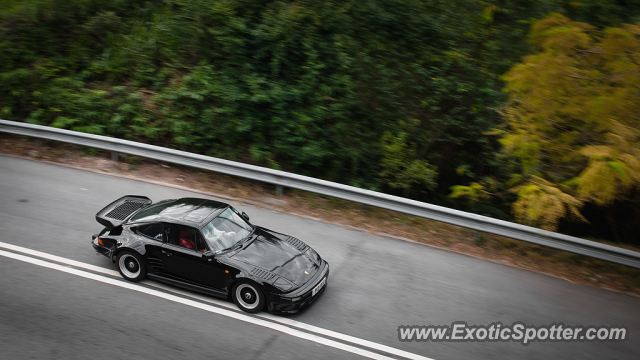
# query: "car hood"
{"points": [[279, 254]]}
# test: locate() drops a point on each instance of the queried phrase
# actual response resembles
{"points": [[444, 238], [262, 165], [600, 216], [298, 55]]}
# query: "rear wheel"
{"points": [[131, 266], [248, 296]]}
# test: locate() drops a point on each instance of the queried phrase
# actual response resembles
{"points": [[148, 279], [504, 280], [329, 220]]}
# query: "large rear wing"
{"points": [[118, 211]]}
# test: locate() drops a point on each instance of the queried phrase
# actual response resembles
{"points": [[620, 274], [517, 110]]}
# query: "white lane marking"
{"points": [[59, 259], [344, 337], [195, 304], [294, 323], [286, 321]]}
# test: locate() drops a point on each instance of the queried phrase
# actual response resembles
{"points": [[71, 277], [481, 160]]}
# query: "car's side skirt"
{"points": [[168, 279]]}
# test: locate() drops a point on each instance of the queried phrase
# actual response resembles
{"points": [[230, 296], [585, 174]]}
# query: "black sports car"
{"points": [[209, 247]]}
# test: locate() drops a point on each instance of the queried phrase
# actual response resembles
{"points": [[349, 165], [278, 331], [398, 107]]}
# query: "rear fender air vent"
{"points": [[296, 243], [156, 263]]}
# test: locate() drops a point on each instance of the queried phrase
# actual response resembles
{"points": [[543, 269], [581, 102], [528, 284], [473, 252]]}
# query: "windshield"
{"points": [[226, 230]]}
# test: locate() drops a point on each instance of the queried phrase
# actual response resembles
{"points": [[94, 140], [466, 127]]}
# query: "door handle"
{"points": [[167, 253]]}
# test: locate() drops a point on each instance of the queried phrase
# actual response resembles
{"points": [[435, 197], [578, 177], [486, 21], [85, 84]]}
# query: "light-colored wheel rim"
{"points": [[247, 296], [128, 261]]}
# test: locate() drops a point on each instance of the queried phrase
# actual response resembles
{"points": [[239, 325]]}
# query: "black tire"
{"points": [[131, 266], [248, 296]]}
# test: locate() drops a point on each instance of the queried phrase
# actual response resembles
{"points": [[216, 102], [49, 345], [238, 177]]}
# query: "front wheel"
{"points": [[131, 266], [248, 296]]}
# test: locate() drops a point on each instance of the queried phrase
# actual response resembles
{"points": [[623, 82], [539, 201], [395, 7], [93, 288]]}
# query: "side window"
{"points": [[200, 243], [153, 231], [187, 237]]}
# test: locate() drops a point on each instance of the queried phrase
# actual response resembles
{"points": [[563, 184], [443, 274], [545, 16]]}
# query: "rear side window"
{"points": [[153, 231]]}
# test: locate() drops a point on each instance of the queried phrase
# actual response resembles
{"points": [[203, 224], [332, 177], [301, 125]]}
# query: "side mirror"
{"points": [[208, 255], [245, 216]]}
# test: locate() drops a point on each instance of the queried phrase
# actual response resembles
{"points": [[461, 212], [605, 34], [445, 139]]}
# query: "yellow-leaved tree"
{"points": [[573, 120]]}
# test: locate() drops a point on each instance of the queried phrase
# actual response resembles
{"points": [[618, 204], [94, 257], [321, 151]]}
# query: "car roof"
{"points": [[188, 211]]}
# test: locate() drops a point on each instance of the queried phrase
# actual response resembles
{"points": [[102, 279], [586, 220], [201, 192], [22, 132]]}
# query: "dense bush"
{"points": [[395, 95]]}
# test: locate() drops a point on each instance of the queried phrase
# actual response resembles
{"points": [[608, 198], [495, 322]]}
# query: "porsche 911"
{"points": [[210, 247]]}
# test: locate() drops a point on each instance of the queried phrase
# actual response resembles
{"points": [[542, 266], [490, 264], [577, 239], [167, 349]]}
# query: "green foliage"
{"points": [[88, 151], [572, 119], [479, 239], [306, 86], [474, 191], [542, 204], [400, 167], [614, 167], [391, 95]]}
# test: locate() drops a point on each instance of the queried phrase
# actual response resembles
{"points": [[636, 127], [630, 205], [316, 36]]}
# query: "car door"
{"points": [[188, 263]]}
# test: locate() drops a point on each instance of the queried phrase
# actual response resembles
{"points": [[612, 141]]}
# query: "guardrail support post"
{"points": [[279, 190], [114, 156]]}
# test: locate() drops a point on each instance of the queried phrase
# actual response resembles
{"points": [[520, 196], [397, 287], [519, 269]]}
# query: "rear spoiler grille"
{"points": [[118, 211], [122, 211]]}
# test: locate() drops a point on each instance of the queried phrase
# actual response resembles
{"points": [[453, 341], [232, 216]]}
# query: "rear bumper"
{"points": [[275, 303], [101, 249]]}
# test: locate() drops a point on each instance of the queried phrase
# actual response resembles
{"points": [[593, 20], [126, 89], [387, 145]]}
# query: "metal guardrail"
{"points": [[281, 178]]}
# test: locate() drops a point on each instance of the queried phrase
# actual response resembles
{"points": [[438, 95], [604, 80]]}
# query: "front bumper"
{"points": [[276, 304]]}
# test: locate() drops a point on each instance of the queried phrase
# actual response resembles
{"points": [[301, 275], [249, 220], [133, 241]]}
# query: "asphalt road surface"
{"points": [[53, 308]]}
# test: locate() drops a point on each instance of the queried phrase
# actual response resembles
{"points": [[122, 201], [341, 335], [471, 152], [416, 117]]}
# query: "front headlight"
{"points": [[283, 284], [313, 255]]}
